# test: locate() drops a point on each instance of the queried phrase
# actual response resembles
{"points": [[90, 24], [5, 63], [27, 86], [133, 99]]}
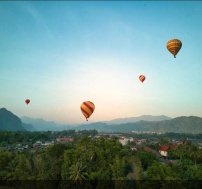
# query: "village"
{"points": [[148, 144]]}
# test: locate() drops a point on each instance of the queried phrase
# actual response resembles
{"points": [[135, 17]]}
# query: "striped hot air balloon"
{"points": [[27, 101], [174, 45], [142, 78], [87, 109]]}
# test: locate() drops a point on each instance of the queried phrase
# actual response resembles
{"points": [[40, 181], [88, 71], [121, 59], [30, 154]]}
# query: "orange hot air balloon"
{"points": [[142, 78], [87, 109], [174, 45], [27, 101]]}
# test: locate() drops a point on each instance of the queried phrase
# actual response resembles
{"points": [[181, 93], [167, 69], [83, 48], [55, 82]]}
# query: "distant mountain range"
{"points": [[191, 124], [136, 119], [145, 123], [42, 125]]}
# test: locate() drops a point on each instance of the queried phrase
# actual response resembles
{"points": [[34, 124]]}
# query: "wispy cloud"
{"points": [[37, 17]]}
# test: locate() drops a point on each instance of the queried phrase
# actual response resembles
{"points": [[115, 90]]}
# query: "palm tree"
{"points": [[11, 168], [78, 172], [179, 151], [195, 153], [12, 165]]}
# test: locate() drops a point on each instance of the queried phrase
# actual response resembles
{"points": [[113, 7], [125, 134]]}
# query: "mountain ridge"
{"points": [[9, 121], [41, 125], [182, 124], [139, 118]]}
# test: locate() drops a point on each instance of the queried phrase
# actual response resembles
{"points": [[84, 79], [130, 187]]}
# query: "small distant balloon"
{"points": [[87, 108], [142, 78], [174, 45], [27, 101]]}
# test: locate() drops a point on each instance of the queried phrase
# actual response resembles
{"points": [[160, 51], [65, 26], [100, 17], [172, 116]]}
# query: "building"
{"points": [[64, 139], [48, 143], [163, 150], [124, 140]]}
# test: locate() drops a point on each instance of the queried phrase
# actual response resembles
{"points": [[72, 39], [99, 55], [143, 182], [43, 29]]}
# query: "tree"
{"points": [[194, 153], [136, 172], [23, 170], [147, 158], [117, 168], [50, 162], [179, 151], [182, 167], [78, 172], [7, 165], [157, 174]]}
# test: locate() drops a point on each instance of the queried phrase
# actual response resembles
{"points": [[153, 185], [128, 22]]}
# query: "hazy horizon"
{"points": [[60, 54], [104, 120]]}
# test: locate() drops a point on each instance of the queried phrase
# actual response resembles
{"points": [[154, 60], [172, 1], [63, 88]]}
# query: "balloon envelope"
{"points": [[142, 78], [174, 45], [87, 108], [27, 101]]}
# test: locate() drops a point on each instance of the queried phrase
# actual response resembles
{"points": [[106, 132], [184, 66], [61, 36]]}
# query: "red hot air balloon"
{"points": [[27, 101], [142, 78], [87, 109]]}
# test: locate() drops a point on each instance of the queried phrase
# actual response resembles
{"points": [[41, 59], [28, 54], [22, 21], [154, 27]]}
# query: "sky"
{"points": [[60, 54]]}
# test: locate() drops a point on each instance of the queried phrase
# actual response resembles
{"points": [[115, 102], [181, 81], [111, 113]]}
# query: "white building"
{"points": [[124, 140]]}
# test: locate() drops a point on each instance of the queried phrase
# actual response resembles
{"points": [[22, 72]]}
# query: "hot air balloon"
{"points": [[27, 101], [174, 45], [142, 78], [87, 109]]}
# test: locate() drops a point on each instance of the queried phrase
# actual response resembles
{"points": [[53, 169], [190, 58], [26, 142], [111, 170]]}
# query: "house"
{"points": [[148, 149], [124, 140], [64, 139], [37, 144], [167, 161], [137, 141], [133, 148], [47, 143], [143, 141], [20, 148], [163, 150]]}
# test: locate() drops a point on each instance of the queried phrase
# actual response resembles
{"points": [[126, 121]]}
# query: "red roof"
{"points": [[64, 139], [173, 146], [164, 148], [146, 148]]}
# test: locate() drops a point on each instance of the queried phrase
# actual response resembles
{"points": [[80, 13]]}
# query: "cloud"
{"points": [[37, 17]]}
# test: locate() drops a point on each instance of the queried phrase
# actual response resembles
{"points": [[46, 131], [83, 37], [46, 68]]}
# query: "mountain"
{"points": [[183, 124], [99, 126], [109, 125], [28, 127], [191, 124], [9, 121], [42, 125], [136, 119]]}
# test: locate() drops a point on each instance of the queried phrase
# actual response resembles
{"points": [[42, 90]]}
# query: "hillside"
{"points": [[42, 125], [28, 127], [9, 121], [182, 124], [99, 126], [136, 119], [191, 124]]}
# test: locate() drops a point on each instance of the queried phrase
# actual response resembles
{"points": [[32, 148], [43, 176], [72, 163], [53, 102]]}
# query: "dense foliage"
{"points": [[90, 159]]}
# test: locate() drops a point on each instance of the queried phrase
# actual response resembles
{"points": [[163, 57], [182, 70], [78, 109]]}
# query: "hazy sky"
{"points": [[59, 54]]}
